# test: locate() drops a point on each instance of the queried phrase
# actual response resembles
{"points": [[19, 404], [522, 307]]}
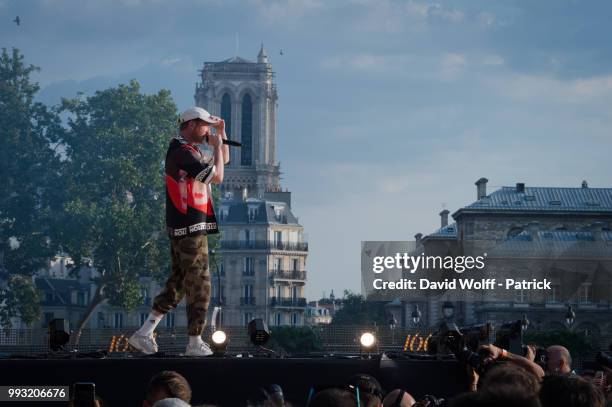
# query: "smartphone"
{"points": [[84, 394]]}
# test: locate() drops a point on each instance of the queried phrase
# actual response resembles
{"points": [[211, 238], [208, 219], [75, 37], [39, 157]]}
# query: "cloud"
{"points": [[538, 88], [286, 12], [367, 63], [452, 65]]}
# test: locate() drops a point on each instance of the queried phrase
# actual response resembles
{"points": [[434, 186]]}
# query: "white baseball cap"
{"points": [[196, 113]]}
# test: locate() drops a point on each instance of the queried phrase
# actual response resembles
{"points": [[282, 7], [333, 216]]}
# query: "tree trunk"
{"points": [[97, 299]]}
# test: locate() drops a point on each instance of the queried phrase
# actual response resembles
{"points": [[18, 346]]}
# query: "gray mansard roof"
{"points": [[544, 199], [238, 212], [556, 244]]}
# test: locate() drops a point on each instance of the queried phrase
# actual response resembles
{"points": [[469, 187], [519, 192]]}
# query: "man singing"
{"points": [[190, 217]]}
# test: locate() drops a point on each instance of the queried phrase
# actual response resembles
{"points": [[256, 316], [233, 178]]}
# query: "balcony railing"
{"points": [[247, 300], [263, 245], [287, 302], [248, 272], [289, 274]]}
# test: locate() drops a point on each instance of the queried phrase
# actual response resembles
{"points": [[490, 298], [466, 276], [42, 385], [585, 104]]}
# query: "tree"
{"points": [[113, 212], [293, 339], [358, 311], [29, 169]]}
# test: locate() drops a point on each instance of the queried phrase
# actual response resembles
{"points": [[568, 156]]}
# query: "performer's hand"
{"points": [[219, 126]]}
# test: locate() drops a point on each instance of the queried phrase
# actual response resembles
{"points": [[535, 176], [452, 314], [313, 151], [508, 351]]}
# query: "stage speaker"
{"points": [[59, 334], [258, 332]]}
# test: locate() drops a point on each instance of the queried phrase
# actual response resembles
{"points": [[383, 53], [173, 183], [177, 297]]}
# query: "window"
{"points": [[247, 235], [252, 213], [279, 292], [294, 292], [584, 293], [143, 318], [295, 318], [278, 264], [519, 296], [553, 294], [278, 238], [247, 291], [81, 298], [278, 318], [249, 266], [226, 114], [118, 320], [247, 317], [247, 131], [295, 264], [170, 320]]}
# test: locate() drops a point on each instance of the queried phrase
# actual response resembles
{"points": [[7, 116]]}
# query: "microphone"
{"points": [[232, 143], [229, 142]]}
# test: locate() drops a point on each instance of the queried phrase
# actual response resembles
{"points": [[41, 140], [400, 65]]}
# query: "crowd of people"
{"points": [[504, 379]]}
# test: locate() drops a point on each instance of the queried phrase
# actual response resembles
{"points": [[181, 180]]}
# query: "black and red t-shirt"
{"points": [[189, 207]]}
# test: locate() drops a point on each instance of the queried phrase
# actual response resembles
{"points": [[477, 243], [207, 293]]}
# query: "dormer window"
{"points": [[224, 212], [252, 213]]}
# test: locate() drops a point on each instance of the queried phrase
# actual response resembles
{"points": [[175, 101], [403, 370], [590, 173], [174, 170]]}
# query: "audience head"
{"points": [[333, 398], [167, 384], [559, 360], [398, 398], [509, 385], [370, 390], [570, 391], [171, 402]]}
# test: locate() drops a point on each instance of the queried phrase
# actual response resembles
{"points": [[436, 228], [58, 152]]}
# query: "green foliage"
{"points": [[576, 342], [357, 311], [28, 191], [113, 209], [296, 339], [21, 299]]}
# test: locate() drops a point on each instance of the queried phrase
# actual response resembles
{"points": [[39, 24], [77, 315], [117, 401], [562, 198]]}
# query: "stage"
{"points": [[228, 381]]}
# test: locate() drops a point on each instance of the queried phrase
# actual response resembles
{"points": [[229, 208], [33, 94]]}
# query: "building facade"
{"points": [[561, 234], [262, 267]]}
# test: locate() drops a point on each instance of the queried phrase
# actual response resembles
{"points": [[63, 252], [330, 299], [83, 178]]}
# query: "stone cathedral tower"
{"points": [[244, 95], [263, 247]]}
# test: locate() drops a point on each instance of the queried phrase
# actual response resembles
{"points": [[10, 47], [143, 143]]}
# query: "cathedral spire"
{"points": [[262, 57]]}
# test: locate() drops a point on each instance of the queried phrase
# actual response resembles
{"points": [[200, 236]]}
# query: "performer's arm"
{"points": [[216, 141], [221, 129], [499, 353], [188, 160]]}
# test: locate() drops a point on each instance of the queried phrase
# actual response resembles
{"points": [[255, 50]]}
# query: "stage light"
{"points": [[59, 334], [219, 342], [367, 340], [258, 332]]}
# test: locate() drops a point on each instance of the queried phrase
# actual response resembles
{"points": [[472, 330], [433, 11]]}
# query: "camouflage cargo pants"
{"points": [[190, 278]]}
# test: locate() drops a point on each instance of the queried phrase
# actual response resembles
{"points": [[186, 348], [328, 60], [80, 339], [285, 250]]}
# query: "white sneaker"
{"points": [[144, 343], [198, 350]]}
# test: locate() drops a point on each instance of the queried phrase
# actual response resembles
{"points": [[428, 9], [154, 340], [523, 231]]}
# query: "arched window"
{"points": [[247, 131], [226, 114]]}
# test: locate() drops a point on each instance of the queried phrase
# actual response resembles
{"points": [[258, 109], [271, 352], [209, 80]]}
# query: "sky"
{"points": [[389, 111]]}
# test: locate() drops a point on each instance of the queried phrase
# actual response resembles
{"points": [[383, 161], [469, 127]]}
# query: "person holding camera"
{"points": [[190, 217]]}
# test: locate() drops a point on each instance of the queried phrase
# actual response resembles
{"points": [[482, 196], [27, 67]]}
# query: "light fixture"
{"points": [[258, 332], [448, 310], [524, 322], [416, 315], [570, 316], [367, 340], [59, 334], [219, 342]]}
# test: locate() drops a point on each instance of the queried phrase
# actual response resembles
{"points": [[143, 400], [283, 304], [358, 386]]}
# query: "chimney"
{"points": [[585, 184], [444, 217], [481, 188], [418, 237], [533, 228], [520, 187], [596, 229]]}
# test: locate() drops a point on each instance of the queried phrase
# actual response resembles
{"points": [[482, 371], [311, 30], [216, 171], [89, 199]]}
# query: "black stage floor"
{"points": [[229, 381]]}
